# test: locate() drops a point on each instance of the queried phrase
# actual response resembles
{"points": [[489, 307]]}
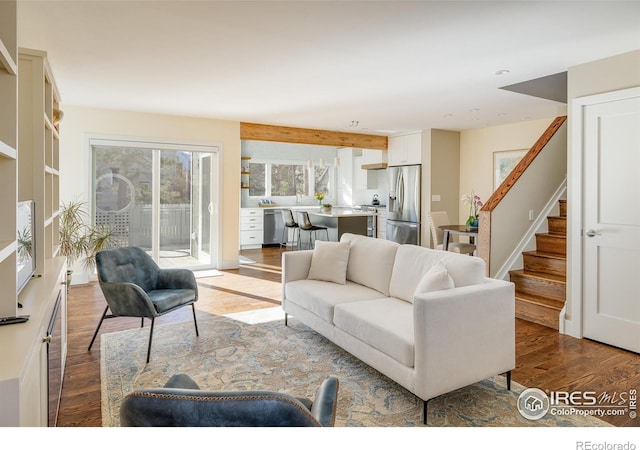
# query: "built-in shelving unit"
{"points": [[29, 170], [39, 170], [244, 173], [8, 156]]}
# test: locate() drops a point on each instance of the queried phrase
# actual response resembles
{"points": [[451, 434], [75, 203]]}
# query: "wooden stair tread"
{"points": [[545, 254], [556, 236], [539, 275], [540, 300]]}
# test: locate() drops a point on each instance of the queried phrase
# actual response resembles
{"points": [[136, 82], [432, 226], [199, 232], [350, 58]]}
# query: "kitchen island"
{"points": [[342, 220]]}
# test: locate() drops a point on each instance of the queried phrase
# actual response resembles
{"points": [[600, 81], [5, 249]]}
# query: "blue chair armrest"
{"points": [[176, 279], [132, 300], [325, 402]]}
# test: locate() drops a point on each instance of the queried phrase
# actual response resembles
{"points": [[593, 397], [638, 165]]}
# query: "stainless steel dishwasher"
{"points": [[273, 227]]}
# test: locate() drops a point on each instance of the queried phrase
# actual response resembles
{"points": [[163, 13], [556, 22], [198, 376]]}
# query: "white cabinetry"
{"points": [[362, 178], [345, 177], [405, 149], [251, 228], [28, 171], [359, 175], [24, 373], [8, 157], [381, 224], [39, 149]]}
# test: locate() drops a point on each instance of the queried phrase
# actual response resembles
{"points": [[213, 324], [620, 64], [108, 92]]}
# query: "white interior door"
{"points": [[611, 231]]}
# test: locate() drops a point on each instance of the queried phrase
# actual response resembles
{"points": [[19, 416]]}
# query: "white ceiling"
{"points": [[360, 66]]}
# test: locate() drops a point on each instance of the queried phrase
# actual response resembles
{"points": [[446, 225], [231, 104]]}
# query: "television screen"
{"points": [[26, 243]]}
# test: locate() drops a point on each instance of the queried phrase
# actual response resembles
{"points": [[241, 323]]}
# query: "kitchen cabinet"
{"points": [[363, 179], [381, 223], [405, 149], [251, 228]]}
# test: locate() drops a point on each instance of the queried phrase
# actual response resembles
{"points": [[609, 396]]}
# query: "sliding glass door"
{"points": [[159, 197]]}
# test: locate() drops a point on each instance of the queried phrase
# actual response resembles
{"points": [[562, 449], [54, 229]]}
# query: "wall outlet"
{"points": [[531, 214], [435, 198]]}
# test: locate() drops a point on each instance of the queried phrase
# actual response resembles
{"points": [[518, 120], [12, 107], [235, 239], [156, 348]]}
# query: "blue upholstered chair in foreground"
{"points": [[181, 403], [134, 286]]}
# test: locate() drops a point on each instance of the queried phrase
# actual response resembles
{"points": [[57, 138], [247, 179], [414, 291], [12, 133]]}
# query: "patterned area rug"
{"points": [[233, 354]]}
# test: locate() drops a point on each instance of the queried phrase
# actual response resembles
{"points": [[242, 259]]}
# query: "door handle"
{"points": [[591, 233]]}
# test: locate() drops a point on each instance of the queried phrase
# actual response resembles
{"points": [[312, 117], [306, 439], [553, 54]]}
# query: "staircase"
{"points": [[541, 285]]}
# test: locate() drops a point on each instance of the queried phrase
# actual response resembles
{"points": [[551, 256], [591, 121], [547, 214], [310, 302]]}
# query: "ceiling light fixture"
{"points": [[503, 72]]}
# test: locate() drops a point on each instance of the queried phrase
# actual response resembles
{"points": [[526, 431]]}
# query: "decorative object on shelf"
{"points": [[77, 239], [57, 117], [326, 208], [319, 196], [474, 202]]}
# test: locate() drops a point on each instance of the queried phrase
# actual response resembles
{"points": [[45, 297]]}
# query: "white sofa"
{"points": [[428, 319]]}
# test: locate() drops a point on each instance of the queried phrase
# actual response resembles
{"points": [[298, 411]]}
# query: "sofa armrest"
{"points": [[463, 335], [295, 266]]}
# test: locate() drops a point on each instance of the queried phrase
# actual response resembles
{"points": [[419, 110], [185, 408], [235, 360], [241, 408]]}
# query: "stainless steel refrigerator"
{"points": [[403, 206]]}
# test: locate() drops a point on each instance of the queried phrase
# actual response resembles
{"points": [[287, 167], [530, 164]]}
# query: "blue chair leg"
{"points": [[195, 322], [150, 338]]}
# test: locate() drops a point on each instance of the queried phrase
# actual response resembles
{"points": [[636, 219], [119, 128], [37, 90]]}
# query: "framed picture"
{"points": [[503, 164]]}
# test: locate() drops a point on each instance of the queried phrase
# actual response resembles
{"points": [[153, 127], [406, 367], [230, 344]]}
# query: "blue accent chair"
{"points": [[134, 286], [181, 403]]}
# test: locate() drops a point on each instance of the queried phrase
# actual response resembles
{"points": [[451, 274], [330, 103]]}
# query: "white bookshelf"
{"points": [[29, 170], [8, 156]]}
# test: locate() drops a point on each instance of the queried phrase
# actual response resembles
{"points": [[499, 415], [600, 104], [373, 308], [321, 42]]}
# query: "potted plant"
{"points": [[474, 202], [79, 239]]}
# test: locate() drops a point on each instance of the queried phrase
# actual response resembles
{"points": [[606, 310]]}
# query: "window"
{"points": [[159, 196], [286, 179]]}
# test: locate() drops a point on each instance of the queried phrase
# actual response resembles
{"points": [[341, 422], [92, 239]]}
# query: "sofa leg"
{"points": [[424, 411], [509, 380], [286, 322]]}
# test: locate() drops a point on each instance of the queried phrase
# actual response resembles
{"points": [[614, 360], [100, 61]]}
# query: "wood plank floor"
{"points": [[545, 359]]}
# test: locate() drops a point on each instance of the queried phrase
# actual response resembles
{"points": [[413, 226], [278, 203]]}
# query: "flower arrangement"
{"points": [[319, 196], [474, 202]]}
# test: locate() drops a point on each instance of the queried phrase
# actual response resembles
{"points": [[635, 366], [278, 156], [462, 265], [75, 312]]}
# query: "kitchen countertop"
{"points": [[339, 212]]}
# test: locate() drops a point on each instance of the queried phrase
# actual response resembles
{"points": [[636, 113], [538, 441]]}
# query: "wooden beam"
{"points": [[272, 133]]}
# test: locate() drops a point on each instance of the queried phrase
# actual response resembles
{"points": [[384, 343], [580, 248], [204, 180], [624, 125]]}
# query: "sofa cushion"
{"points": [[465, 270], [411, 263], [329, 262], [437, 278], [385, 324], [370, 261], [320, 297]]}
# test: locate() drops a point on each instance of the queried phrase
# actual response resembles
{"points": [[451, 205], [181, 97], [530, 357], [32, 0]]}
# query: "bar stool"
{"points": [[289, 224], [304, 224]]}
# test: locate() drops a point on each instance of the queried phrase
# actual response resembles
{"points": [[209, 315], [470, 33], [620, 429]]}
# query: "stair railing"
{"points": [[505, 216]]}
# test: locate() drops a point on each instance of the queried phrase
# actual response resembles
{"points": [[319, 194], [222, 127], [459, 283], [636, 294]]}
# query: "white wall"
{"points": [[445, 176], [75, 157], [476, 154]]}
